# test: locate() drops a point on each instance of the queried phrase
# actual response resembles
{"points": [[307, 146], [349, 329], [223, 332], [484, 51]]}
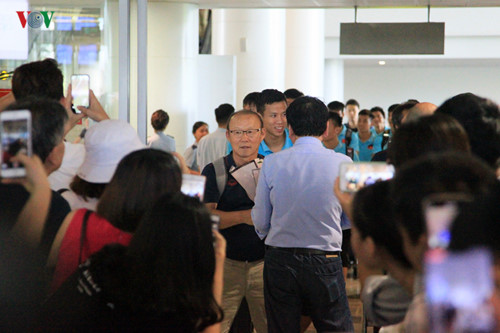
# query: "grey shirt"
{"points": [[161, 141], [385, 301]]}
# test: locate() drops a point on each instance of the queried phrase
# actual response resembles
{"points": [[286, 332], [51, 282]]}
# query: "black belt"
{"points": [[299, 250]]}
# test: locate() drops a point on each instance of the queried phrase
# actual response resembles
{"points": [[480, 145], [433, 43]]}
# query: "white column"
{"points": [[334, 80], [172, 67], [305, 50], [109, 95], [257, 38]]}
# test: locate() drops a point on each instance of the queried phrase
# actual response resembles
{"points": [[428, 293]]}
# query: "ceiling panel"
{"points": [[294, 3], [339, 3]]}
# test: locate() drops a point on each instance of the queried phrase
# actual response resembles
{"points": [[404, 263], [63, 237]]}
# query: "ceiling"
{"points": [[338, 3], [293, 3]]}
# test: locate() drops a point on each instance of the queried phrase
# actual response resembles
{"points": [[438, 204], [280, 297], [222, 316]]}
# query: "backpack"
{"points": [[348, 138], [220, 174], [385, 139]]}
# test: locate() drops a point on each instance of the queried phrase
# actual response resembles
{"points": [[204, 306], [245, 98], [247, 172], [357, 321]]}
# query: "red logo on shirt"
{"points": [[343, 140], [370, 147]]}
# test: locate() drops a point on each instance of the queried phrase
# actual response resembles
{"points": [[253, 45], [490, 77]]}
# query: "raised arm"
{"points": [[220, 256], [31, 221]]}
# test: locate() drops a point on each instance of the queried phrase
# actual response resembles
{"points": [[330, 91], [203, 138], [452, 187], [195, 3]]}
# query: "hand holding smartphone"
{"points": [[354, 176], [80, 87], [15, 133], [193, 185]]}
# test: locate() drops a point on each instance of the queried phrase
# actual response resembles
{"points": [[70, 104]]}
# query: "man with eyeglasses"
{"points": [[243, 268]]}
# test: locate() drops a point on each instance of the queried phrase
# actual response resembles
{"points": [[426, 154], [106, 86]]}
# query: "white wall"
{"points": [[216, 85], [384, 85]]}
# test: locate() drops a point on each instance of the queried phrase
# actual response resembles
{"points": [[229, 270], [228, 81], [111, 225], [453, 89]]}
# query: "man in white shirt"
{"points": [[213, 146]]}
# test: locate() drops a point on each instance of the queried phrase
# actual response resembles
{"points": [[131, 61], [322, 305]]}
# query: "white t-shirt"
{"points": [[74, 154], [211, 147], [76, 202]]}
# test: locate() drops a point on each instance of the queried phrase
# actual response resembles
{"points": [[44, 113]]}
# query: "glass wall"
{"points": [[80, 38]]}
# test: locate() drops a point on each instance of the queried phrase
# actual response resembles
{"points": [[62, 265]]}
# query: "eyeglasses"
{"points": [[250, 133]]}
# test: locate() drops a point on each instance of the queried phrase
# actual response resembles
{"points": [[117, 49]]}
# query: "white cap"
{"points": [[106, 143]]}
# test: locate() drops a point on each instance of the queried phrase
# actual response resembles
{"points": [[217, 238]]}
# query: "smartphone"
{"points": [[80, 87], [458, 288], [15, 133], [215, 221], [440, 210], [193, 185], [215, 225], [354, 176]]}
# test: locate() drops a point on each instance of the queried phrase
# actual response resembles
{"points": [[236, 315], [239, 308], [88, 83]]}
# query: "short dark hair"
{"points": [[452, 172], [140, 179], [435, 133], [38, 78], [336, 106], [159, 120], [223, 112], [480, 118], [397, 114], [335, 117], [373, 216], [173, 261], [251, 98], [293, 93], [86, 189], [378, 109], [243, 113], [269, 96], [392, 107], [307, 116], [365, 112], [352, 102], [48, 117], [477, 224], [198, 124]]}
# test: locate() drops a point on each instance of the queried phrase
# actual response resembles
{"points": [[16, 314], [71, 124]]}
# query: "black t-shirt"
{"points": [[243, 244], [12, 200]]}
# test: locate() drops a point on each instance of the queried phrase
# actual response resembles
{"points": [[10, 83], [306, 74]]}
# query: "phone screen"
{"points": [[15, 131], [440, 211], [193, 185], [458, 291], [80, 85], [354, 176]]}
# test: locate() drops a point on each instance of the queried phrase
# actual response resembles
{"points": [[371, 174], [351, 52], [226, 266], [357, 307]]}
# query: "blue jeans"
{"points": [[305, 284]]}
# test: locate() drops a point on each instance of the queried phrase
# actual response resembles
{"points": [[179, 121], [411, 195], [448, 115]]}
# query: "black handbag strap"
{"points": [[83, 233]]}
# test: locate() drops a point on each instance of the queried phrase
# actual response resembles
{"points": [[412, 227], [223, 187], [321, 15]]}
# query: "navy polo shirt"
{"points": [[243, 244]]}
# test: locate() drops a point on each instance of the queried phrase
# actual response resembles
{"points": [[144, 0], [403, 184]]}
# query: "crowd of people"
{"points": [[99, 236]]}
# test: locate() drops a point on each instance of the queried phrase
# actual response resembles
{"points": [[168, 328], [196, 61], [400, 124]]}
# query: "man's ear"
{"points": [[338, 130], [370, 246], [54, 159], [325, 133], [291, 134]]}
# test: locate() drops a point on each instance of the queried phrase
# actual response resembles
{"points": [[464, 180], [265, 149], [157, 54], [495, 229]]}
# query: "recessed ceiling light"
{"points": [[381, 63]]}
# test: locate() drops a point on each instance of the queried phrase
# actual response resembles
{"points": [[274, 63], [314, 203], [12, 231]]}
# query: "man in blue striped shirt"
{"points": [[299, 217]]}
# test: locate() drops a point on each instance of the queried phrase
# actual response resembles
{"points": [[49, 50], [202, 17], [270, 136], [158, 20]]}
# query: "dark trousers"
{"points": [[305, 284]]}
